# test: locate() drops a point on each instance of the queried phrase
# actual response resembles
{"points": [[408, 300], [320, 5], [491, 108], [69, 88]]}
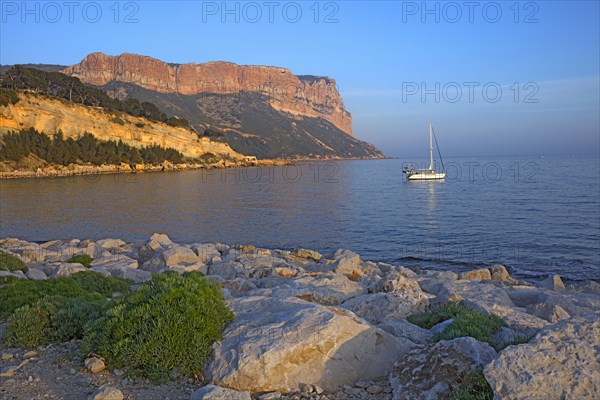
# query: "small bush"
{"points": [[473, 387], [429, 319], [118, 120], [474, 324], [140, 124], [52, 319], [94, 282], [82, 259], [73, 315], [30, 325], [169, 323], [8, 96], [466, 322], [87, 284], [8, 262]]}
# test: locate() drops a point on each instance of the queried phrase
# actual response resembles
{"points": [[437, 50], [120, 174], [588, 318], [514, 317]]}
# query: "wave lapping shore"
{"points": [[309, 325]]}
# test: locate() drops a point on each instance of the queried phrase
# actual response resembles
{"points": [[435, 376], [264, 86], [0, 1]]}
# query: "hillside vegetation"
{"points": [[70, 88], [87, 149]]}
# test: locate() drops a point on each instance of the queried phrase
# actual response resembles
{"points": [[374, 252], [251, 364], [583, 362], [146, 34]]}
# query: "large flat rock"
{"points": [[561, 362], [278, 344]]}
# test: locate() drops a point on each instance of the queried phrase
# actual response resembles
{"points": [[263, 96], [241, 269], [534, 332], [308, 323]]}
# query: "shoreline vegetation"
{"points": [[198, 320], [30, 154]]}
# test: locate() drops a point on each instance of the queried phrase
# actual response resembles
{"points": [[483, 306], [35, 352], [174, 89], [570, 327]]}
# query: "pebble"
{"points": [[270, 396], [30, 379], [306, 388], [362, 384], [29, 354], [118, 372], [107, 393], [375, 389], [84, 382], [95, 364], [8, 372], [7, 356]]}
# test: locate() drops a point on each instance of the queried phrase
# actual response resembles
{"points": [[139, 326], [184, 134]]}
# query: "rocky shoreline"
{"points": [[54, 171], [313, 326]]}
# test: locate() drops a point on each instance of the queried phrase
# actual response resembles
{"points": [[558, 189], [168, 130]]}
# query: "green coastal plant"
{"points": [[428, 319], [466, 322], [473, 387], [88, 285], [8, 262], [82, 259], [169, 323], [52, 319]]}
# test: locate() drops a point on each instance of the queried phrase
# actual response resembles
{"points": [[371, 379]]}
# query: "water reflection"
{"points": [[362, 205]]}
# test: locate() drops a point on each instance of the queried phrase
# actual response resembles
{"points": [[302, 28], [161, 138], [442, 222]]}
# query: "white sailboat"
{"points": [[429, 173]]}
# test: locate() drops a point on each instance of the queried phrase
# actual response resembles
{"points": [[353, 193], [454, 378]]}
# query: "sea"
{"points": [[536, 215]]}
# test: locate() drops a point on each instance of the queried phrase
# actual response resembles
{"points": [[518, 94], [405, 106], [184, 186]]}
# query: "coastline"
{"points": [[302, 302], [53, 171], [74, 170]]}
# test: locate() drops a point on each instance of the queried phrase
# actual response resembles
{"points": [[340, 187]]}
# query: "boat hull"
{"points": [[426, 176]]}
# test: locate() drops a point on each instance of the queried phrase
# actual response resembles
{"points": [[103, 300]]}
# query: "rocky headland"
{"points": [[313, 326], [311, 96], [264, 111]]}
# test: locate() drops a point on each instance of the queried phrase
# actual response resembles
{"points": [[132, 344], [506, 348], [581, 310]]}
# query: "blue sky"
{"points": [[539, 62]]}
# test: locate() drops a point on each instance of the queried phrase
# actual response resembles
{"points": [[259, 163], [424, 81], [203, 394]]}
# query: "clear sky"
{"points": [[495, 78]]}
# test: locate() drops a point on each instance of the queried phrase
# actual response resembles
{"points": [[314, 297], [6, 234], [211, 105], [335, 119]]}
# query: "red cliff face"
{"points": [[301, 95]]}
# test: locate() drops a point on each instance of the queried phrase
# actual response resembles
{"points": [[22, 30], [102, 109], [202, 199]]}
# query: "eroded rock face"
{"points": [[431, 371], [51, 116], [278, 344], [379, 307], [326, 289], [308, 96], [560, 362]]}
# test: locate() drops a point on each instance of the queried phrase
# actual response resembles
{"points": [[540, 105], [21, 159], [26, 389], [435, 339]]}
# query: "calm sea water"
{"points": [[535, 215]]}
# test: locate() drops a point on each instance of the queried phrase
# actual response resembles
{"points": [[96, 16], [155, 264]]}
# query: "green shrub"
{"points": [[87, 284], [30, 325], [94, 282], [466, 322], [441, 313], [8, 262], [473, 387], [474, 324], [118, 120], [169, 323], [73, 315], [8, 96], [82, 259], [140, 124], [52, 319]]}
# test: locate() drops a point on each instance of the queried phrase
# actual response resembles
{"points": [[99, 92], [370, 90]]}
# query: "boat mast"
{"points": [[430, 148]]}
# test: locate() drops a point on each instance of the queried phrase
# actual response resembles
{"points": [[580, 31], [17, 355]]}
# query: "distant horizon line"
{"points": [[537, 155]]}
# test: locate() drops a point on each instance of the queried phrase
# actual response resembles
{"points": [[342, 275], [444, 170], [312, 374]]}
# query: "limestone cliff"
{"points": [[51, 115], [310, 96]]}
